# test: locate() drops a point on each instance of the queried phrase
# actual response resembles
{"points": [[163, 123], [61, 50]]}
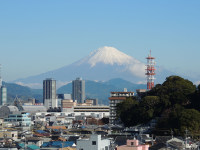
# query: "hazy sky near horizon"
{"points": [[37, 36]]}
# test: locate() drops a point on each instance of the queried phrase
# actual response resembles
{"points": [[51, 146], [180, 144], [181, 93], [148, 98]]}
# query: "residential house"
{"points": [[95, 142], [9, 134], [133, 145]]}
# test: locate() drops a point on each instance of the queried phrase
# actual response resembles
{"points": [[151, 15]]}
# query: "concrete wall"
{"points": [[9, 134], [94, 143]]}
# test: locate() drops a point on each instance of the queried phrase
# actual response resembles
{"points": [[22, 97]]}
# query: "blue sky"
{"points": [[37, 36]]}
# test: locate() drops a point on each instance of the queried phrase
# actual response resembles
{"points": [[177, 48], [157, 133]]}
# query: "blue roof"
{"points": [[32, 147], [83, 127], [21, 145], [40, 131], [45, 144], [57, 144]]}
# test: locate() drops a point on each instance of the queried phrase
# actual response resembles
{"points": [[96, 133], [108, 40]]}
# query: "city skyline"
{"points": [[66, 31]]}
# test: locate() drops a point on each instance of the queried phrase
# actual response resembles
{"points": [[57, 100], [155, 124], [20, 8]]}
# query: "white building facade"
{"points": [[95, 142], [115, 98]]}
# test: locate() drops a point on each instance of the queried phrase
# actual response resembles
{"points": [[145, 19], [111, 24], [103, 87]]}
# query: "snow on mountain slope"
{"points": [[111, 56], [102, 64]]}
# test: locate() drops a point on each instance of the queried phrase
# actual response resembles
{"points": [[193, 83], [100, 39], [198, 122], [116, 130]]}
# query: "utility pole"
{"points": [[186, 132], [152, 140], [172, 134]]}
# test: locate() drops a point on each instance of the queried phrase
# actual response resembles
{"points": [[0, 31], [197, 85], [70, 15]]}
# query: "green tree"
{"points": [[125, 111], [179, 89], [175, 90], [169, 102], [190, 119], [195, 99], [131, 112], [150, 102]]}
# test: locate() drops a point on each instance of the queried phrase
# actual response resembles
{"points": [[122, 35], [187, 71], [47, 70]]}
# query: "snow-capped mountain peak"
{"points": [[109, 55], [102, 64]]}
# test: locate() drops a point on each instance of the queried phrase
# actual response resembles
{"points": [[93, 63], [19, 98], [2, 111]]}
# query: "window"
{"points": [[93, 142], [81, 149]]}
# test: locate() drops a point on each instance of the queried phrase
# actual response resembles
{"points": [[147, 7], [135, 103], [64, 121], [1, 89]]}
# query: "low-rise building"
{"points": [[6, 110], [68, 106], [133, 145], [22, 119], [115, 98], [9, 134], [95, 142], [34, 141]]}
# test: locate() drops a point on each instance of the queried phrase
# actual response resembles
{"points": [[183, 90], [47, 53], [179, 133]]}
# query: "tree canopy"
{"points": [[175, 90], [175, 103]]}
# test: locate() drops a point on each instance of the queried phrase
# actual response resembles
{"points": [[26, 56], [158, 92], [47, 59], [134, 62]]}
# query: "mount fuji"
{"points": [[102, 64]]}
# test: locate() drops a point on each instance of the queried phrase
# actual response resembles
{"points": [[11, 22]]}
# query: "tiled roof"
{"points": [[121, 140], [117, 98], [57, 127], [33, 139]]}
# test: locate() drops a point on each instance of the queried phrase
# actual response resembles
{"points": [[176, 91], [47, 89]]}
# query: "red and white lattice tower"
{"points": [[150, 71]]}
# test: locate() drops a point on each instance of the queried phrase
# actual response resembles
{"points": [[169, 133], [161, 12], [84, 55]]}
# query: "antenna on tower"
{"points": [[150, 71]]}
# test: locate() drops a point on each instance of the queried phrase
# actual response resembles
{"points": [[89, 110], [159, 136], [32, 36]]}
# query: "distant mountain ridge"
{"points": [[102, 64], [21, 92], [99, 90]]}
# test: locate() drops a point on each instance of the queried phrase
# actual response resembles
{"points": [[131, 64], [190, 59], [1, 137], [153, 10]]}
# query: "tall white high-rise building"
{"points": [[3, 95], [78, 90], [49, 93], [3, 92], [0, 77]]}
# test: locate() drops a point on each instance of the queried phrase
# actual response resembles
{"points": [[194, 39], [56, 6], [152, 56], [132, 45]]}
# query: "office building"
{"points": [[115, 98], [49, 93], [61, 97], [22, 119], [3, 92], [78, 90], [0, 77], [3, 95], [93, 101]]}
